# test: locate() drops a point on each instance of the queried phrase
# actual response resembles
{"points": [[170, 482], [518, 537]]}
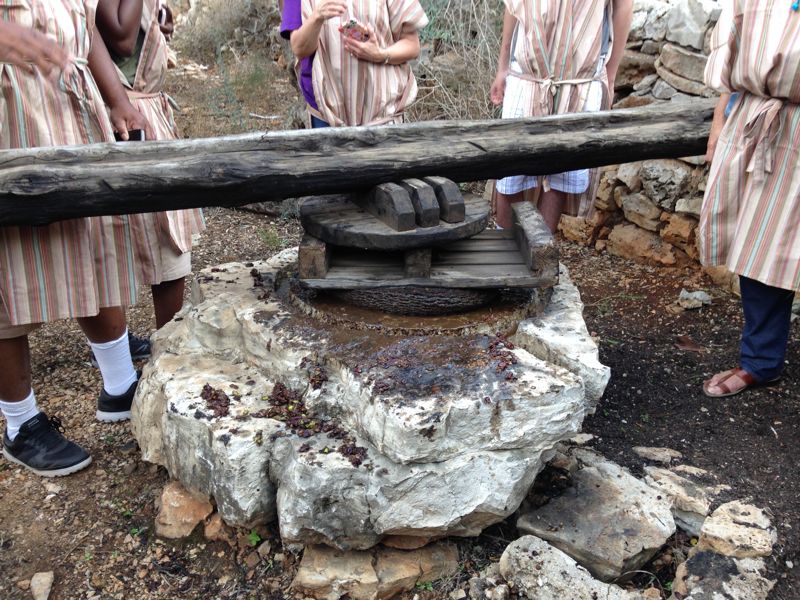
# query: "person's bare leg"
{"points": [[504, 214], [15, 376], [106, 326], [167, 300], [551, 205]]}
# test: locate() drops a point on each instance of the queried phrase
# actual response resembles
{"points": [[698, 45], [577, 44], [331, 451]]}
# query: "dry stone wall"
{"points": [[648, 211]]}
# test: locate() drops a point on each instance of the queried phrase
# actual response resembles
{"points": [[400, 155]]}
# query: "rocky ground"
{"points": [[95, 529]]}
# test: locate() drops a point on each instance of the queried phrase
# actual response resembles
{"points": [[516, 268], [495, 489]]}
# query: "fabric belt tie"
{"points": [[546, 99], [761, 132], [549, 87]]}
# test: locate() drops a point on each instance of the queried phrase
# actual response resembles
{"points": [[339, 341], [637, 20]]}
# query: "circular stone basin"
{"points": [[367, 309]]}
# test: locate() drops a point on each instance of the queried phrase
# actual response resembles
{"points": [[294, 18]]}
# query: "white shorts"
{"points": [[516, 105], [174, 263], [9, 331]]}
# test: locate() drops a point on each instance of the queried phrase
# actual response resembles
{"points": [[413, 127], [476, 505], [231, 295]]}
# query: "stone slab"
{"points": [[586, 520]]}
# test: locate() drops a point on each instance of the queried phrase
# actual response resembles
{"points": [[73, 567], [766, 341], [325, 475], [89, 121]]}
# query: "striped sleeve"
{"points": [[724, 48], [406, 15], [306, 8]]}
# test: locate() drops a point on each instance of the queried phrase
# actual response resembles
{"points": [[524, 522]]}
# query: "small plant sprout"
{"points": [[253, 538]]}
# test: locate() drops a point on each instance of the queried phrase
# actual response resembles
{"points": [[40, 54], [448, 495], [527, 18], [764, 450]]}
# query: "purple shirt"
{"points": [[291, 20]]}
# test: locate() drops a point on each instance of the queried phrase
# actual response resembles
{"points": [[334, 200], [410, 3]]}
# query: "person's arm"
{"points": [[498, 89], [124, 116], [25, 47], [167, 24], [716, 125], [406, 48], [119, 21], [305, 39], [621, 23]]}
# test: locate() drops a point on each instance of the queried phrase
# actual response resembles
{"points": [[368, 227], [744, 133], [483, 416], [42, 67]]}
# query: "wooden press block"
{"points": [[418, 262], [391, 204], [423, 197], [536, 243], [451, 202], [313, 258]]}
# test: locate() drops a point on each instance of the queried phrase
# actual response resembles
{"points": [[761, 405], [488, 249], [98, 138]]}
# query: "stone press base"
{"points": [[350, 435]]}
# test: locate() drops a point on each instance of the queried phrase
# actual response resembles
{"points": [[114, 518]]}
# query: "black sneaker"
{"points": [[116, 408], [40, 447], [140, 349]]}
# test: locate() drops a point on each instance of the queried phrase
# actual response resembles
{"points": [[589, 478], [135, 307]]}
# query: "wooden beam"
{"points": [[43, 185]]}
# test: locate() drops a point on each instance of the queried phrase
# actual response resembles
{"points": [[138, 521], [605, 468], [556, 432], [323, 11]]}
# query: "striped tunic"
{"points": [[71, 268], [750, 219], [558, 51], [172, 228], [350, 91]]}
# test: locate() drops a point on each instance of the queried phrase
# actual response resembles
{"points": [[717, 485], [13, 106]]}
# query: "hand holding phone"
{"points": [[134, 135], [355, 30]]}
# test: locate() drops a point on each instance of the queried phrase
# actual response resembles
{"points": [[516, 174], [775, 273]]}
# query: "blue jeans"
{"points": [[767, 316], [317, 123]]}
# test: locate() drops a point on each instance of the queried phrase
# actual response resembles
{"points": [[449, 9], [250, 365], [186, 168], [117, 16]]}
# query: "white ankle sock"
{"points": [[116, 366], [16, 413]]}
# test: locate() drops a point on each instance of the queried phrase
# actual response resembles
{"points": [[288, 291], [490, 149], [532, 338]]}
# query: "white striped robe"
{"points": [[350, 91], [750, 219], [71, 268], [558, 48], [173, 228]]}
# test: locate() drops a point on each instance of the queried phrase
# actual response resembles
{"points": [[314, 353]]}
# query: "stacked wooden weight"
{"points": [[419, 247]]}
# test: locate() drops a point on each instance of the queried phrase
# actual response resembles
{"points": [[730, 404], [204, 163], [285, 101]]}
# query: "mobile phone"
{"points": [[354, 29], [162, 16], [134, 135]]}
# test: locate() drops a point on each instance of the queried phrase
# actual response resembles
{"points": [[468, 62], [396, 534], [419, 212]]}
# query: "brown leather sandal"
{"points": [[723, 378]]}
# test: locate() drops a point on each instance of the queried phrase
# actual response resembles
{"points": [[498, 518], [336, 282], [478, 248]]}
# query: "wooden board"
{"points": [[337, 221], [42, 185], [462, 264]]}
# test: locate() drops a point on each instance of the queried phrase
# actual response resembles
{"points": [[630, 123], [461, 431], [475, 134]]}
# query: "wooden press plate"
{"points": [[337, 221]]}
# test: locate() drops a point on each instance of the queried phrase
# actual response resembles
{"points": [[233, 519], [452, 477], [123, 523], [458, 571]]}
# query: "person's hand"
{"points": [[717, 123], [612, 78], [498, 89], [327, 9], [125, 117], [27, 48], [166, 21], [367, 50], [713, 137]]}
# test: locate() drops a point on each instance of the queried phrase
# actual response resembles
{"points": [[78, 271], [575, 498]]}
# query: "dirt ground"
{"points": [[95, 529]]}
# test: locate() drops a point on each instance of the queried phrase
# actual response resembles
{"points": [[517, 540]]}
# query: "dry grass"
{"points": [[463, 38], [212, 27]]}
